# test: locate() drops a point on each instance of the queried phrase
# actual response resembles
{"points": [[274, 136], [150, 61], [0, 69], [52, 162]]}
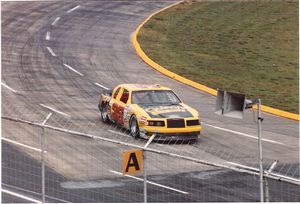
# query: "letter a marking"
{"points": [[132, 162]]}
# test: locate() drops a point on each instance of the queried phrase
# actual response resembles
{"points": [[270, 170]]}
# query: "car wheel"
{"points": [[104, 113], [134, 127]]}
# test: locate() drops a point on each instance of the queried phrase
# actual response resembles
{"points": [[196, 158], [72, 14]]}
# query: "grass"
{"points": [[249, 47]]}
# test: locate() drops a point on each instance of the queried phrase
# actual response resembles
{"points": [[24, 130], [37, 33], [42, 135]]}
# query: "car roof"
{"points": [[141, 87]]}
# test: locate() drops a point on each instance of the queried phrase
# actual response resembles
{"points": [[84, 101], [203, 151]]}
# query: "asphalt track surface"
{"points": [[53, 55]]}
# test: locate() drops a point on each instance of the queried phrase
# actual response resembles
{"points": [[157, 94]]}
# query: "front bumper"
{"points": [[186, 136], [163, 133]]}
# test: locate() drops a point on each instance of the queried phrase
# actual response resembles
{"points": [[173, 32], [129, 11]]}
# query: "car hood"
{"points": [[173, 111]]}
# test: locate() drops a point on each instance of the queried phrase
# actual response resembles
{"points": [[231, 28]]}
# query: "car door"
{"points": [[114, 104], [122, 101], [119, 101]]}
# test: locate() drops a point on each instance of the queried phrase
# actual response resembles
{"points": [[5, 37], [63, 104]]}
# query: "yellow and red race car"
{"points": [[150, 109]]}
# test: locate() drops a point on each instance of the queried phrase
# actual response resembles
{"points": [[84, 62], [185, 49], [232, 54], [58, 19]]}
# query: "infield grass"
{"points": [[249, 47]]}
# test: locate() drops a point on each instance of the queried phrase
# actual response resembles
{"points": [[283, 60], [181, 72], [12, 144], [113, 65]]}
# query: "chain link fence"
{"points": [[83, 163]]}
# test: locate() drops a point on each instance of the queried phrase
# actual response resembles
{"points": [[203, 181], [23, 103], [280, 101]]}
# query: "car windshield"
{"points": [[155, 97]]}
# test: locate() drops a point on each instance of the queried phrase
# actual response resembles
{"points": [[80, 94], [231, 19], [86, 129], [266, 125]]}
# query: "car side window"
{"points": [[125, 96], [116, 93]]}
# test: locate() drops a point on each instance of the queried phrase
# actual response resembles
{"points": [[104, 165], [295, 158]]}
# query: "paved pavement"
{"points": [[54, 52]]}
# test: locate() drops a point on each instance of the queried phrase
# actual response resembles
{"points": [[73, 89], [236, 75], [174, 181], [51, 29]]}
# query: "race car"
{"points": [[150, 109]]}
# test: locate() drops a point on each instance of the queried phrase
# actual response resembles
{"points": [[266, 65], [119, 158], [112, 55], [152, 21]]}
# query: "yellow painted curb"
{"points": [[189, 82]]}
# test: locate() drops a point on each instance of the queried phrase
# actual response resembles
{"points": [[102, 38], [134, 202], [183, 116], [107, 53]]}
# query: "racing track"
{"points": [[54, 57]]}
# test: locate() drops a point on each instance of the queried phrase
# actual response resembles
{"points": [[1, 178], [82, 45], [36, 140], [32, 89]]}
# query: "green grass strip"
{"points": [[249, 47]]}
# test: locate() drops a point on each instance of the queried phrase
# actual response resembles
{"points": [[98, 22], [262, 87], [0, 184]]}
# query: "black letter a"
{"points": [[133, 163]]}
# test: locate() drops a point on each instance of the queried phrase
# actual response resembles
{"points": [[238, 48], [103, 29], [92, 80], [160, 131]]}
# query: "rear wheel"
{"points": [[104, 113], [134, 127]]}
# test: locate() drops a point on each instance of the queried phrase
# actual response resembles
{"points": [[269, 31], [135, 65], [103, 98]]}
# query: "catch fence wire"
{"points": [[37, 113], [88, 167], [92, 124], [82, 167], [21, 167]]}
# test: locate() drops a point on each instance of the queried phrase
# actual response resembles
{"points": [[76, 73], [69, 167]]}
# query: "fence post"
{"points": [[267, 195], [43, 156], [144, 167], [261, 171], [267, 198], [145, 176], [43, 163]]}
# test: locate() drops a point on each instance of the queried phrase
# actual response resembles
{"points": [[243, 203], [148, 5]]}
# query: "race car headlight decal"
{"points": [[142, 120], [156, 123], [192, 122]]}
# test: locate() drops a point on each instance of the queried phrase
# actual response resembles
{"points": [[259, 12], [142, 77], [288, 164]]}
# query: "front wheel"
{"points": [[134, 127], [104, 113]]}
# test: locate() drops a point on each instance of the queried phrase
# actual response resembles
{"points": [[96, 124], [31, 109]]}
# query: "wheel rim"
{"points": [[104, 112], [133, 127]]}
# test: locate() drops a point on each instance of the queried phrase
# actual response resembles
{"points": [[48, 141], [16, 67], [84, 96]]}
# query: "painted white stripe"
{"points": [[51, 51], [48, 107], [11, 89], [74, 70], [242, 134], [243, 166], [48, 35], [32, 192], [287, 177], [101, 86], [20, 144], [150, 182], [119, 133], [55, 21], [46, 119], [73, 9], [21, 196], [256, 169]]}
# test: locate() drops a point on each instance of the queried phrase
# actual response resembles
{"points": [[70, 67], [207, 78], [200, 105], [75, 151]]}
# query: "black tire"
{"points": [[104, 113], [134, 127]]}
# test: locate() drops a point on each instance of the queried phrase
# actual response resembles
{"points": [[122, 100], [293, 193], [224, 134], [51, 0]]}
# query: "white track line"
{"points": [[74, 70], [32, 192], [150, 182], [256, 169], [48, 35], [119, 133], [243, 134], [243, 166], [55, 21], [101, 86], [46, 119], [21, 196], [20, 144], [73, 9], [48, 107], [51, 51], [11, 89]]}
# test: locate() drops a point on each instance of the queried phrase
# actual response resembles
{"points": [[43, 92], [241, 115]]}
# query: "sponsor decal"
{"points": [[126, 114], [168, 112], [165, 109]]}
